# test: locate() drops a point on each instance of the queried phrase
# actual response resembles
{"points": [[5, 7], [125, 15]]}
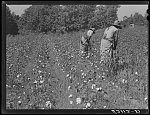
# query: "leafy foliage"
{"points": [[136, 19], [11, 23], [66, 18]]}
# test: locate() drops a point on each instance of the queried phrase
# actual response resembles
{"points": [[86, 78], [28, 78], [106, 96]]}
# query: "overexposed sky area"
{"points": [[124, 10], [18, 9], [127, 10]]}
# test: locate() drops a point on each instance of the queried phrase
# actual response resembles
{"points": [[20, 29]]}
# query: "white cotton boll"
{"points": [[136, 80], [18, 75], [71, 102], [35, 81], [103, 76], [41, 76], [18, 97], [69, 87], [70, 77], [82, 74], [67, 75], [93, 86], [136, 73], [19, 102], [123, 80], [88, 105], [99, 76], [78, 100], [42, 81], [70, 96], [98, 88], [113, 83], [104, 73], [116, 86], [100, 62], [39, 71], [145, 98], [104, 106], [48, 104], [84, 81]]}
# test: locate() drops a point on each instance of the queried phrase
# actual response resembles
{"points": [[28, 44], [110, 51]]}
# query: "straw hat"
{"points": [[90, 31], [117, 23]]}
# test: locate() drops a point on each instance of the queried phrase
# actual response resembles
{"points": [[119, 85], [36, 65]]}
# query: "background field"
{"points": [[43, 70]]}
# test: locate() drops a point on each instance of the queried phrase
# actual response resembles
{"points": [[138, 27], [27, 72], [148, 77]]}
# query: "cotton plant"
{"points": [[48, 104], [78, 100]]}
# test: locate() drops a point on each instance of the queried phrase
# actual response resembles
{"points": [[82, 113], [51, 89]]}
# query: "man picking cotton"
{"points": [[85, 42], [109, 41]]}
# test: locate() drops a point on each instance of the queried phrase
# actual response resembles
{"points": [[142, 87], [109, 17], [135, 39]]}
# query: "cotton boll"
{"points": [[136, 73], [48, 104], [67, 75], [70, 96], [78, 100], [93, 86], [71, 102], [88, 105]]}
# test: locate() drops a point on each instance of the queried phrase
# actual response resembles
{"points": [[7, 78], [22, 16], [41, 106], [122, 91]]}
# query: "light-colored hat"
{"points": [[117, 23], [89, 32]]}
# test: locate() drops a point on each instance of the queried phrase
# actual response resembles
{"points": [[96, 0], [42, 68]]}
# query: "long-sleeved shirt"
{"points": [[110, 33]]}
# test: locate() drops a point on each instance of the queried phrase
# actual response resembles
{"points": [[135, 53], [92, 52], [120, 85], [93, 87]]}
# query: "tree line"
{"points": [[61, 18], [136, 19]]}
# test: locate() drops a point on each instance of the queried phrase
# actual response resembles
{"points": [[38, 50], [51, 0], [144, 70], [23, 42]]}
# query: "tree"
{"points": [[125, 17], [136, 19], [31, 18], [15, 17], [11, 24], [41, 18], [76, 17], [55, 18], [104, 16]]}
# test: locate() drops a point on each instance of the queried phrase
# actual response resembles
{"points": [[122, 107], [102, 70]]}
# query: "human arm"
{"points": [[104, 35], [115, 41], [83, 40]]}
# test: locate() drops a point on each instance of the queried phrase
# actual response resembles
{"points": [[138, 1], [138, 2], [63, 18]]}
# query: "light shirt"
{"points": [[109, 32]]}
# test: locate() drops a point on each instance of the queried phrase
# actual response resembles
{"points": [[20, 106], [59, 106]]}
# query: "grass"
{"points": [[37, 66]]}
